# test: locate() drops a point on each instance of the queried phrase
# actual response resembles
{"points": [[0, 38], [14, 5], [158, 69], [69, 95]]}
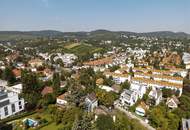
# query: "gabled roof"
{"points": [[62, 97], [173, 98], [17, 72], [47, 90], [92, 97]]}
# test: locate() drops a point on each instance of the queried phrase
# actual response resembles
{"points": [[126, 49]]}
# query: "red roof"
{"points": [[47, 90], [16, 72]]}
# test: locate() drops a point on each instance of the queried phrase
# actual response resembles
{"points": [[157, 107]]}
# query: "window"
{"points": [[20, 107], [19, 103], [6, 111], [13, 107]]}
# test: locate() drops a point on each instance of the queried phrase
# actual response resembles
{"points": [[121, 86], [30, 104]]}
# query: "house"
{"points": [[155, 96], [91, 102], [118, 78], [128, 97], [15, 88], [61, 100], [35, 63], [172, 102], [106, 88], [17, 73], [139, 89], [99, 81], [3, 83], [10, 104], [48, 73], [157, 84], [185, 124], [141, 109], [63, 84], [47, 90]]}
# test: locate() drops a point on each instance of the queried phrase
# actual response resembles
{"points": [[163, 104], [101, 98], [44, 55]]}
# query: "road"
{"points": [[130, 115]]}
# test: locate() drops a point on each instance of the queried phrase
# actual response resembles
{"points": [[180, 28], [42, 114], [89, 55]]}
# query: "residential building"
{"points": [[141, 109], [172, 102], [35, 63], [10, 104], [61, 100], [91, 102], [155, 96], [128, 97], [15, 88], [118, 78], [185, 124], [47, 90]]}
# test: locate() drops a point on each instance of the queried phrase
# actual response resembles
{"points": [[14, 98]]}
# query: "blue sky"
{"points": [[86, 15]]}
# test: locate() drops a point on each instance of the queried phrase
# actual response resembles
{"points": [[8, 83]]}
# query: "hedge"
{"points": [[17, 117]]}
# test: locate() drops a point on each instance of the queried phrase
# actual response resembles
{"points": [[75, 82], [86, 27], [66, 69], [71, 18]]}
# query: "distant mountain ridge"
{"points": [[97, 33]]}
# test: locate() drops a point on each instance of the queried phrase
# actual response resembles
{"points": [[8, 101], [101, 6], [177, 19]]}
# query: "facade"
{"points": [[185, 124], [35, 63], [128, 97], [118, 78], [91, 102], [157, 84], [61, 100], [10, 104], [141, 109], [15, 88], [172, 102], [155, 96]]}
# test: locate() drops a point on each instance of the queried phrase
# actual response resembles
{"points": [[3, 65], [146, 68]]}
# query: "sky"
{"points": [[87, 15]]}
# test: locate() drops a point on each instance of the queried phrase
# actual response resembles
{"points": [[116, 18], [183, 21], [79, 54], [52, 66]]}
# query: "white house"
{"points": [[140, 89], [155, 96], [118, 78], [128, 98], [3, 83], [10, 104], [91, 102], [61, 100], [172, 102], [106, 88], [141, 109], [15, 88]]}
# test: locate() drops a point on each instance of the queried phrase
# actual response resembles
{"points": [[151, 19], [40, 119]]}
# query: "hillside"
{"points": [[98, 34]]}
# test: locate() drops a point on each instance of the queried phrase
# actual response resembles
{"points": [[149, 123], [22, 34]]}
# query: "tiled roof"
{"points": [[62, 97], [16, 72], [116, 74], [159, 76], [103, 61], [160, 83], [47, 90]]}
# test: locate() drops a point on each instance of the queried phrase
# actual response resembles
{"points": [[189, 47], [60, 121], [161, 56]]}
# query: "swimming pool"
{"points": [[30, 122]]}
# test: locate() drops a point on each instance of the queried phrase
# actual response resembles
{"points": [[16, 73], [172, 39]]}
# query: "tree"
{"points": [[56, 83], [104, 122], [106, 98], [31, 88], [48, 99], [167, 92], [114, 68], [125, 85], [9, 76], [83, 123]]}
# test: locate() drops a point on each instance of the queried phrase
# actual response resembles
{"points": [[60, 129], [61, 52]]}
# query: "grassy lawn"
{"points": [[37, 116], [84, 49], [70, 46], [52, 126]]}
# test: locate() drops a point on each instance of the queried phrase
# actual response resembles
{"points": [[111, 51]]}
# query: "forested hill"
{"points": [[8, 35]]}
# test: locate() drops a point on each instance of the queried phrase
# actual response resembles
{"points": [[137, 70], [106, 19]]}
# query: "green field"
{"points": [[70, 46], [79, 49]]}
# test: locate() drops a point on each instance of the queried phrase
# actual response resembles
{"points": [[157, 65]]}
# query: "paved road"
{"points": [[130, 115]]}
